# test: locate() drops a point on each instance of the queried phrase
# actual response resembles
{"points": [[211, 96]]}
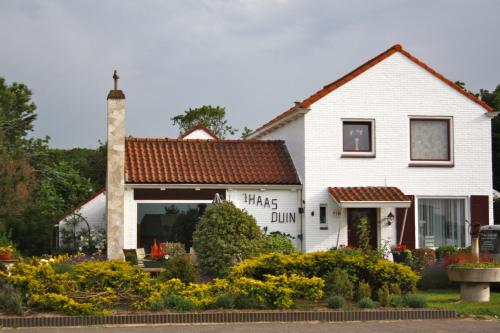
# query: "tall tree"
{"points": [[212, 117]]}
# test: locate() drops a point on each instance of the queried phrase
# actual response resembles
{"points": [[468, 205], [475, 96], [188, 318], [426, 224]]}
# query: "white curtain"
{"points": [[441, 222]]}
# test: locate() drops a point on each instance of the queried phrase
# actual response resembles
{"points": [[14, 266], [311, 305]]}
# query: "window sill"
{"points": [[431, 164], [357, 155]]}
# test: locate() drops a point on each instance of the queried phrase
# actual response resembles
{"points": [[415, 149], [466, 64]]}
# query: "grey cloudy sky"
{"points": [[254, 57]]}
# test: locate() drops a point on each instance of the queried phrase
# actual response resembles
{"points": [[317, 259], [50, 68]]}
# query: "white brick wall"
{"points": [[276, 216], [199, 134], [389, 92], [94, 212], [293, 135]]}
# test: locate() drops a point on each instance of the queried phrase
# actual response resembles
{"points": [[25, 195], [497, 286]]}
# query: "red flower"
{"points": [[400, 247]]}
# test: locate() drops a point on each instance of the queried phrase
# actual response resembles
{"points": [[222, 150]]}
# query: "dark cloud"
{"points": [[254, 57]]}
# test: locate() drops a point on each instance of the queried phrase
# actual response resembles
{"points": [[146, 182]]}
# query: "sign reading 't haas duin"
{"points": [[265, 202]]}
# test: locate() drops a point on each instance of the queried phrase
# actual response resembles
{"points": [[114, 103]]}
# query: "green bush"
{"points": [[446, 250], [384, 296], [278, 242], [422, 258], [179, 267], [364, 290], [338, 283], [335, 302], [178, 303], [226, 301], [223, 234], [397, 301], [416, 301], [366, 303], [246, 302], [360, 267], [10, 300], [394, 288]]}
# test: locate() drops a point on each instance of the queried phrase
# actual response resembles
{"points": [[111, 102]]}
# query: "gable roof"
{"points": [[83, 203], [201, 128], [177, 161], [306, 103]]}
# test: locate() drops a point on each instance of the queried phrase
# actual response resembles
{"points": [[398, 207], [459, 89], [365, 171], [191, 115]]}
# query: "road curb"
{"points": [[227, 317]]}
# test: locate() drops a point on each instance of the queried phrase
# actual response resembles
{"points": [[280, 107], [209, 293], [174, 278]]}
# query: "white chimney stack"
{"points": [[115, 171]]}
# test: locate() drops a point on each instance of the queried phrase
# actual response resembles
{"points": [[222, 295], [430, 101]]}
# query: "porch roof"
{"points": [[370, 197]]}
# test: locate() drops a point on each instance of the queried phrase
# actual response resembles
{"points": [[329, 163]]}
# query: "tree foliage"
{"points": [[224, 235], [36, 187], [212, 117]]}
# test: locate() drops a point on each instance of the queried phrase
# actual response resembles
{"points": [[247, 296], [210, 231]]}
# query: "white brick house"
{"points": [[393, 141], [448, 171]]}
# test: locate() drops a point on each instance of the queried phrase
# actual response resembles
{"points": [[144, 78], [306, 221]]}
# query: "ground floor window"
{"points": [[441, 222], [167, 222]]}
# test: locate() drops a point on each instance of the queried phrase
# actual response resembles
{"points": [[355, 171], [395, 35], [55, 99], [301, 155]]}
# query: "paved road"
{"points": [[417, 326]]}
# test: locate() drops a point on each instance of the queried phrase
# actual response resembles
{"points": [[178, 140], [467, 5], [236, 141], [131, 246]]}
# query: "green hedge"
{"points": [[377, 272]]}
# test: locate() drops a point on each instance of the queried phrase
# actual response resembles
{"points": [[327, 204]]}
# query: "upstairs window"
{"points": [[358, 137], [430, 140]]}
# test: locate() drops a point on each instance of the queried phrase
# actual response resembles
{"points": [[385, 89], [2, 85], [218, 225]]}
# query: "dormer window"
{"points": [[358, 138]]}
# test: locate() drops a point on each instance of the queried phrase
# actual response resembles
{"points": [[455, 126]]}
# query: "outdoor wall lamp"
{"points": [[390, 218]]}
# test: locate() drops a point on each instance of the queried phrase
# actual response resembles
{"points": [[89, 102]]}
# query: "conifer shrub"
{"points": [[338, 283], [335, 302], [364, 290], [224, 235], [367, 303], [384, 296]]}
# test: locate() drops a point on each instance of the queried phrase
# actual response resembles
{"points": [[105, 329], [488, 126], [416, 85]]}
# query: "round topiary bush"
{"points": [[224, 234], [335, 302]]}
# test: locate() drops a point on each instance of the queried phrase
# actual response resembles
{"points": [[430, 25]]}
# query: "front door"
{"points": [[354, 216]]}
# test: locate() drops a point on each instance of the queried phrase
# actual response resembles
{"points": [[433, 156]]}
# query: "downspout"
{"points": [[301, 205], [403, 227]]}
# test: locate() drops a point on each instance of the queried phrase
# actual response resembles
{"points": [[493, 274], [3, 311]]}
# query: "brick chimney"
{"points": [[115, 171]]}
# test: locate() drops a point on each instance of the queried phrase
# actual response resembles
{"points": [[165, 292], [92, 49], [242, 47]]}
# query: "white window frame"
{"points": [[371, 153], [451, 141], [466, 215]]}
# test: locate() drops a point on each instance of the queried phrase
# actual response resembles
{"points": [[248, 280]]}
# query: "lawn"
{"points": [[450, 299]]}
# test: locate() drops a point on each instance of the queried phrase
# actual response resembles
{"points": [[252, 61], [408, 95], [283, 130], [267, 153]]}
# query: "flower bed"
{"points": [[65, 285]]}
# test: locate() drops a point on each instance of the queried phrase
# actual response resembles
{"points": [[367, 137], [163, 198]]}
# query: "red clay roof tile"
{"points": [[178, 161], [382, 193]]}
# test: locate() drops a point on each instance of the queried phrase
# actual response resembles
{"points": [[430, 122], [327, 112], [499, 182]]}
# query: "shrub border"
{"points": [[227, 317]]}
